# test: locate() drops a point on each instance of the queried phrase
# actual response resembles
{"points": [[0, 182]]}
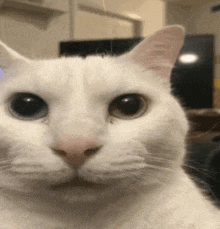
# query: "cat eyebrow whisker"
{"points": [[5, 161], [196, 168], [158, 167], [161, 159], [195, 162], [199, 181], [4, 168], [203, 171]]}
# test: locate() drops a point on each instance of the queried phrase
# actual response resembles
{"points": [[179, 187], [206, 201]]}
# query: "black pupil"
{"points": [[129, 104], [27, 105]]}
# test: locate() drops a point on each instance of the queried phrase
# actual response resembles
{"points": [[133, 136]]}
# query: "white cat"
{"points": [[97, 143]]}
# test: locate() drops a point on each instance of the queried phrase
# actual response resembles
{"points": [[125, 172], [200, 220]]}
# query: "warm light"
{"points": [[188, 58], [134, 16]]}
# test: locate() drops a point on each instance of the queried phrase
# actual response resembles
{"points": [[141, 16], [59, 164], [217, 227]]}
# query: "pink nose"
{"points": [[76, 151]]}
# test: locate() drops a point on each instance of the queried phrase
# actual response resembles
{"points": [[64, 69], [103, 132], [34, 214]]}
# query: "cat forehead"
{"points": [[91, 70], [109, 74], [73, 69]]}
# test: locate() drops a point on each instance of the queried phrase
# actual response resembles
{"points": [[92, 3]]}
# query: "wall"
{"points": [[33, 34], [91, 26], [88, 24], [37, 35], [179, 14], [153, 14]]}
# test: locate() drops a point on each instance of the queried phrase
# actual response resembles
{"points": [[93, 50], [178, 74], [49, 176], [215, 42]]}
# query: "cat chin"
{"points": [[73, 191], [76, 191], [70, 190]]}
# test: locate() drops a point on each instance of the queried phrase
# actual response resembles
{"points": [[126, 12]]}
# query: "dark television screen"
{"points": [[91, 47], [192, 83]]}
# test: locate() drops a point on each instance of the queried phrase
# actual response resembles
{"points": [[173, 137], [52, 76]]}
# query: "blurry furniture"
{"points": [[204, 124], [202, 161]]}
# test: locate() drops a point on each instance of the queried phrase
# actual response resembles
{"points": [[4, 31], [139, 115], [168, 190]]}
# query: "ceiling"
{"points": [[190, 2]]}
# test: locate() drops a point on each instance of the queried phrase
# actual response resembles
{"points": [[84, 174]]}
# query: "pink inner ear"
{"points": [[159, 51]]}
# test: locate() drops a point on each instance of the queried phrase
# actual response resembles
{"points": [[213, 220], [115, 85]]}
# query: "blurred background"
{"points": [[35, 27]]}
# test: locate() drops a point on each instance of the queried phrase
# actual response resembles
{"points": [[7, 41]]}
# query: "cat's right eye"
{"points": [[128, 106], [27, 106]]}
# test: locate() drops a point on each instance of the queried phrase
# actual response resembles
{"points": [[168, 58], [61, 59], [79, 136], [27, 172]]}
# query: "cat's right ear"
{"points": [[159, 51], [9, 57]]}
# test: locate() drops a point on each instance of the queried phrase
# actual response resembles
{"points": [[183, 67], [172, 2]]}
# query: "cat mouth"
{"points": [[77, 182]]}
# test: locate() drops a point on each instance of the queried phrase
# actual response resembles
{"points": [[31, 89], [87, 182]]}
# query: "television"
{"points": [[103, 47], [192, 75]]}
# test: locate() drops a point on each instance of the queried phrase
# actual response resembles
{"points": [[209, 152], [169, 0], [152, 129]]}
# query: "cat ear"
{"points": [[8, 56], [159, 51]]}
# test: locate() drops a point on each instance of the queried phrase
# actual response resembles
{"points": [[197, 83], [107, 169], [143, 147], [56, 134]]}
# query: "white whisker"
{"points": [[4, 168], [5, 161], [159, 159], [201, 171], [159, 168], [194, 162]]}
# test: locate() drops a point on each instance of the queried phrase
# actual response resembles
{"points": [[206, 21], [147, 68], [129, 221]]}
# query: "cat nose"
{"points": [[77, 151]]}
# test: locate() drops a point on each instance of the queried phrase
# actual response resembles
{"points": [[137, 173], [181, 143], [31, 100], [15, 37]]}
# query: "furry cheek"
{"points": [[115, 161], [37, 163]]}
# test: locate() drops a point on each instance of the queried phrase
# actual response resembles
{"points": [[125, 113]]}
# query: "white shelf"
{"points": [[44, 6]]}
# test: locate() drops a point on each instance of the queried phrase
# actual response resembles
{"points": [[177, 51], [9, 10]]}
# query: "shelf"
{"points": [[42, 6]]}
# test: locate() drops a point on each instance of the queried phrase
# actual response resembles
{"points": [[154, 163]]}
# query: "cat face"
{"points": [[108, 121]]}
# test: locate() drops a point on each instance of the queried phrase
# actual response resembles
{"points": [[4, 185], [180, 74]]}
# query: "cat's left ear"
{"points": [[159, 51], [8, 56]]}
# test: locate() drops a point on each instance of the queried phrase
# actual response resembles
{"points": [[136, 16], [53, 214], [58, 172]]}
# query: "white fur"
{"points": [[136, 180]]}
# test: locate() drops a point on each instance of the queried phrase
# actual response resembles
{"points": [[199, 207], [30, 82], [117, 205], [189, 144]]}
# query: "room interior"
{"points": [[35, 29]]}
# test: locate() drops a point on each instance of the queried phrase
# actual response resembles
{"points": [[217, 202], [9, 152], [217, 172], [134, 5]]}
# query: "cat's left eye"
{"points": [[27, 106], [128, 106]]}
